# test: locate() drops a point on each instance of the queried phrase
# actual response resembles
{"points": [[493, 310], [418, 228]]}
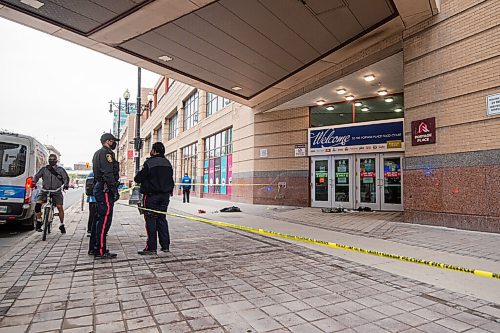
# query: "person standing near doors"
{"points": [[186, 187], [157, 184]]}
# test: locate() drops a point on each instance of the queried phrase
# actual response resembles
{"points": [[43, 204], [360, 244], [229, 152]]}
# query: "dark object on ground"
{"points": [[201, 211], [230, 209], [332, 210], [364, 209]]}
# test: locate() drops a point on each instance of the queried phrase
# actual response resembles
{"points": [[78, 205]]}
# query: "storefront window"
{"points": [[189, 158], [173, 126], [370, 109], [191, 108], [215, 103], [217, 167], [172, 157]]}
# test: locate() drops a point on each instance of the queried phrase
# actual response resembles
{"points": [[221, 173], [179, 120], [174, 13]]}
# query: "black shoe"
{"points": [[38, 226], [106, 255], [62, 228], [146, 253], [91, 253], [164, 250]]}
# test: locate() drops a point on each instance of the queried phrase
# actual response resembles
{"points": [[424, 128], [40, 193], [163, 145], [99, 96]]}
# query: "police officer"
{"points": [[106, 176], [157, 185]]}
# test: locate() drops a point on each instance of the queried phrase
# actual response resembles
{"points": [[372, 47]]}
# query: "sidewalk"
{"points": [[221, 280]]}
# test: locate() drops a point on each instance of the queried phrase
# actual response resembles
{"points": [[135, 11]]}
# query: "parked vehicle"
{"points": [[21, 156]]}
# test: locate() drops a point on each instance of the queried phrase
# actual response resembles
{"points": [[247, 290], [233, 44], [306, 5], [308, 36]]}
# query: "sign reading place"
{"points": [[423, 132]]}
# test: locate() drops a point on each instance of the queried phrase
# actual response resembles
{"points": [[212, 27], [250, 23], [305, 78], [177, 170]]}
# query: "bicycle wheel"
{"points": [[46, 222]]}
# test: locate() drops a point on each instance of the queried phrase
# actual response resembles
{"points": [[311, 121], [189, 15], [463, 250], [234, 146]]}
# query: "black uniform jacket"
{"points": [[156, 176], [106, 168]]}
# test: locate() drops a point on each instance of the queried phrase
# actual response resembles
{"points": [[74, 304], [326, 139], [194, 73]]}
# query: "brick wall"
{"points": [[451, 63]]}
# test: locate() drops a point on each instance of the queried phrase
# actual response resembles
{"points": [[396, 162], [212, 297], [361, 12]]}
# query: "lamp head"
{"points": [[126, 95]]}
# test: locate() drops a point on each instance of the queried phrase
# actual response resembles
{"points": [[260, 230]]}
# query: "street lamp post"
{"points": [[140, 110], [126, 96]]}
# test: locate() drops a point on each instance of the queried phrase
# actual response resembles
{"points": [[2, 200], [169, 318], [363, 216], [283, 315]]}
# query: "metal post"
{"points": [[137, 141], [119, 114]]}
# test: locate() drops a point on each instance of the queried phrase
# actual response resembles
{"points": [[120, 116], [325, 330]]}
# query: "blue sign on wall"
{"points": [[366, 137]]}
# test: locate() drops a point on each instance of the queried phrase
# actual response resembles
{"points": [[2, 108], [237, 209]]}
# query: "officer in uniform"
{"points": [[106, 178], [157, 185]]}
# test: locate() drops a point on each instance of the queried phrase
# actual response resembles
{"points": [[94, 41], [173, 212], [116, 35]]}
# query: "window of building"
{"points": [[215, 103], [159, 134], [217, 165], [369, 109], [172, 157], [173, 126], [189, 159], [191, 108]]}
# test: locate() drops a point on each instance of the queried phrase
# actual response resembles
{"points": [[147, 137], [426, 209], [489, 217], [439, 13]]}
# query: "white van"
{"points": [[21, 156]]}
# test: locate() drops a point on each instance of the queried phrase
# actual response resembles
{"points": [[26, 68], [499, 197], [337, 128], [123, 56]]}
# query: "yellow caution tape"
{"points": [[330, 244]]}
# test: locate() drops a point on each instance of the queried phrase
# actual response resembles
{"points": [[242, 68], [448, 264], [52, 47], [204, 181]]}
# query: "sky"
{"points": [[59, 92]]}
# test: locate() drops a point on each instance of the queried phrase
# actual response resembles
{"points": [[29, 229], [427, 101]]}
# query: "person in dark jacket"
{"points": [[157, 185], [106, 180], [186, 187]]}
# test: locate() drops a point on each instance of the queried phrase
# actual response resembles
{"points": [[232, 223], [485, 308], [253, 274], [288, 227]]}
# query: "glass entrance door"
{"points": [[379, 181], [391, 184], [343, 182], [366, 181], [320, 191]]}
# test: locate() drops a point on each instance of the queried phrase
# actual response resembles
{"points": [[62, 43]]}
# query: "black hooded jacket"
{"points": [[156, 176]]}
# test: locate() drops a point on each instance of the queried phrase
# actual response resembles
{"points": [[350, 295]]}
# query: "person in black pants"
{"points": [[106, 174], [157, 185]]}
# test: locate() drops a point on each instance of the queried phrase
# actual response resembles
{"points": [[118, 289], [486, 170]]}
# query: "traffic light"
{"points": [[87, 165]]}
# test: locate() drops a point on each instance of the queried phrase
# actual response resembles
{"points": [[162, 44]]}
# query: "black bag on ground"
{"points": [[230, 209]]}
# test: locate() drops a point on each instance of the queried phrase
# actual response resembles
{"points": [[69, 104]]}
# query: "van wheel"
{"points": [[29, 223]]}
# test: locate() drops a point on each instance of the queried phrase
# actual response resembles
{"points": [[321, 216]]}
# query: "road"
{"points": [[11, 234]]}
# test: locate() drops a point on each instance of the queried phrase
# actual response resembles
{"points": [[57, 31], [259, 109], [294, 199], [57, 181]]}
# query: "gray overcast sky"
{"points": [[58, 92]]}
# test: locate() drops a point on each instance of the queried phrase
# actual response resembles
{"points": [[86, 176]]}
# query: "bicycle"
{"points": [[48, 211]]}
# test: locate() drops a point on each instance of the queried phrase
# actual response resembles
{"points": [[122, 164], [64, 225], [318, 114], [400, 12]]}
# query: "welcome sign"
{"points": [[369, 137]]}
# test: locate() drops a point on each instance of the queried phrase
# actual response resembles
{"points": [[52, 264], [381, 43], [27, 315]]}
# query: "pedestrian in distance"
{"points": [[53, 178], [186, 187], [156, 186], [106, 176]]}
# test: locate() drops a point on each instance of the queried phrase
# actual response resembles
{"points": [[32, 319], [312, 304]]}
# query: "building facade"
{"points": [[411, 130]]}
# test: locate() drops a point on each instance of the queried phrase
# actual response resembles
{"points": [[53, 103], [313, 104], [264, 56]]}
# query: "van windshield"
{"points": [[12, 159]]}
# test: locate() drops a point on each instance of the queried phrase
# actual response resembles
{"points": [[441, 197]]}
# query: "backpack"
{"points": [[89, 186]]}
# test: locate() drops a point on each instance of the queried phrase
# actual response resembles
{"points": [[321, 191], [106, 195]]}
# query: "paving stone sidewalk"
{"points": [[379, 225], [216, 280]]}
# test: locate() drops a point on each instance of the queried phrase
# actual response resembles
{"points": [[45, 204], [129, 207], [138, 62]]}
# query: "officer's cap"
{"points": [[108, 136]]}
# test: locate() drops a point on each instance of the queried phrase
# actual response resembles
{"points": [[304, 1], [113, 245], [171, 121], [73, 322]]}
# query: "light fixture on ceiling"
{"points": [[398, 110], [364, 109], [330, 108], [320, 102], [389, 99], [369, 77], [166, 58], [349, 97], [341, 91], [236, 88], [358, 104], [33, 3], [382, 92]]}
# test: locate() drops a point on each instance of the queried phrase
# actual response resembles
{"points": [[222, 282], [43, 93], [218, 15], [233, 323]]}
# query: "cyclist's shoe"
{"points": [[106, 255], [62, 228], [146, 253], [38, 226]]}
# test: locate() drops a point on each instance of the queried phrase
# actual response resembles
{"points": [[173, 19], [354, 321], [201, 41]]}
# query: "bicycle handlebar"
{"points": [[53, 191]]}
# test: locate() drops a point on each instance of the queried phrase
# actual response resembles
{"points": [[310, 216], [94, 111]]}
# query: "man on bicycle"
{"points": [[53, 178]]}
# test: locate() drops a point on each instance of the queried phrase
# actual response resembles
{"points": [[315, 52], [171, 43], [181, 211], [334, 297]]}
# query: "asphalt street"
{"points": [[12, 233]]}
